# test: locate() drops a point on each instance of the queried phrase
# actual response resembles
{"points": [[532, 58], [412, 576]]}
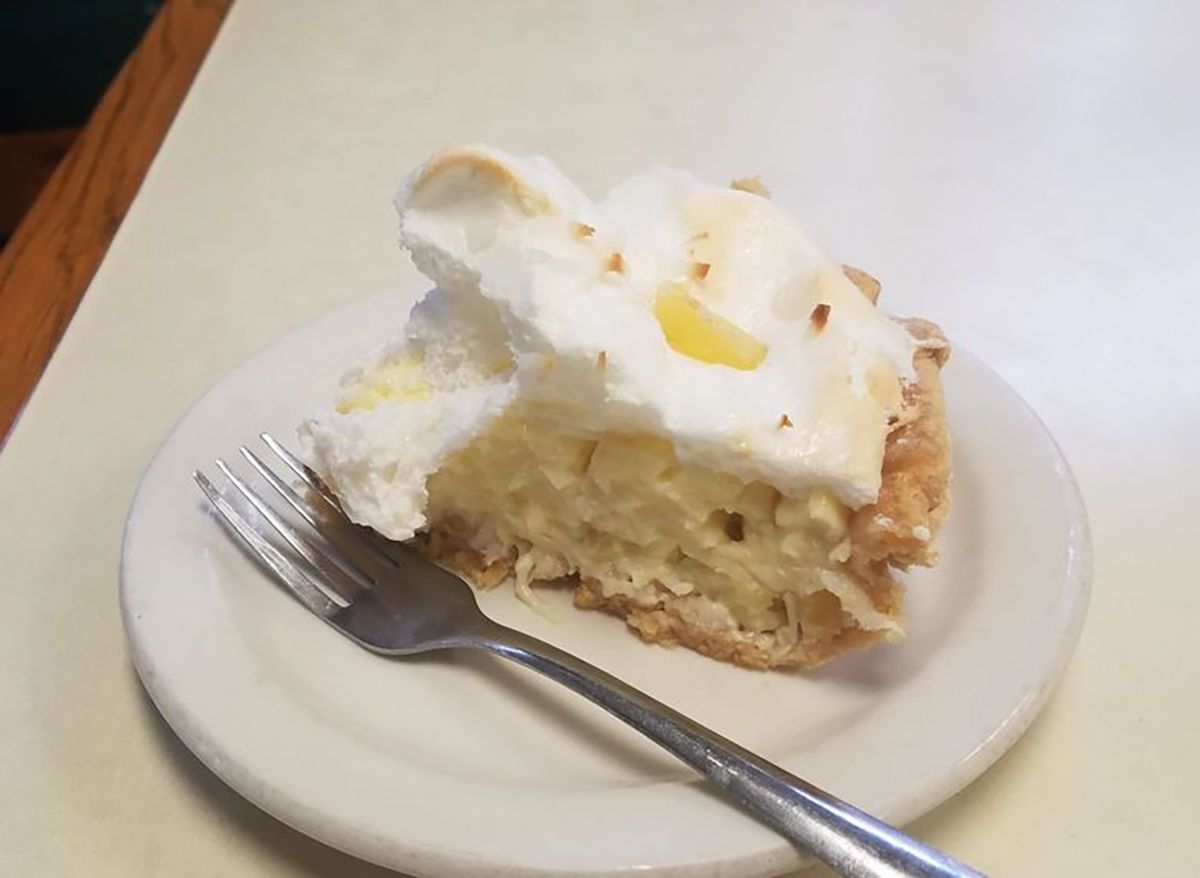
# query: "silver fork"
{"points": [[389, 600]]}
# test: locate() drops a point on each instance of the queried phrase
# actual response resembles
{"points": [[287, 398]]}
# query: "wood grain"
{"points": [[53, 254]]}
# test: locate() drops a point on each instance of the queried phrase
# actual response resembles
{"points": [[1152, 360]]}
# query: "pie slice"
{"points": [[669, 400]]}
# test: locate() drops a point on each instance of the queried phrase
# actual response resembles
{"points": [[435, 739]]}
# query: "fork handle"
{"points": [[849, 840]]}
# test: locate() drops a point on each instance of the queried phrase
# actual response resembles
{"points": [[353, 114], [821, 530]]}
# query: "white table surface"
{"points": [[1024, 173]]}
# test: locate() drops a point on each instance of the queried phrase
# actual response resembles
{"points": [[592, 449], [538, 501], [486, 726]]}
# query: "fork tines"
{"points": [[317, 567]]}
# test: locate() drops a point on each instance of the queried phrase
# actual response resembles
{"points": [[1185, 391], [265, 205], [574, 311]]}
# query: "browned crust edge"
{"points": [[664, 625]]}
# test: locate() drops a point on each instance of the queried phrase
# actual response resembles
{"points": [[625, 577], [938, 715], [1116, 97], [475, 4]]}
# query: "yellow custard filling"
{"points": [[624, 511]]}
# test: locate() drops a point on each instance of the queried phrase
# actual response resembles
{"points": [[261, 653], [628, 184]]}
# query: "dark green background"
{"points": [[57, 57]]}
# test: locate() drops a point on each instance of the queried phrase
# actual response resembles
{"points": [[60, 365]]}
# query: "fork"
{"points": [[389, 600]]}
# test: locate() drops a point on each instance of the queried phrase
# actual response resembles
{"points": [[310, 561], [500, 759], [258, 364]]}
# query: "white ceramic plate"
{"points": [[458, 764]]}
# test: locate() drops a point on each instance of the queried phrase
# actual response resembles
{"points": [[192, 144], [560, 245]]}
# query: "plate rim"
{"points": [[394, 853]]}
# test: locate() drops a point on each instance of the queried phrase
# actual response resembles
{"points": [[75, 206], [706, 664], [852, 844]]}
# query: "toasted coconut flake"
{"points": [[785, 422], [735, 527], [753, 185], [819, 316], [581, 230], [700, 270], [866, 284], [616, 263]]}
